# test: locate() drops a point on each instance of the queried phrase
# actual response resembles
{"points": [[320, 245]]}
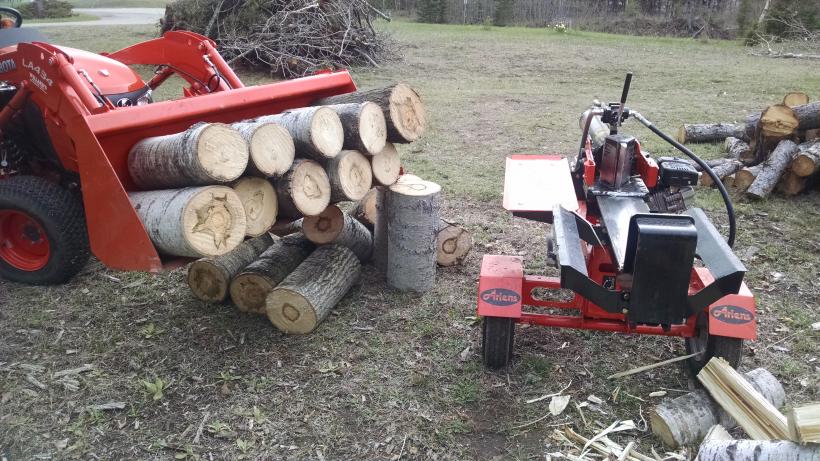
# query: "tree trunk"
{"points": [[350, 176], [365, 209], [686, 419], [365, 128], [271, 148], [738, 149], [259, 200], [746, 176], [412, 225], [317, 131], [304, 190], [808, 117], [386, 166], [210, 278], [453, 243], [795, 98], [253, 284], [721, 171], [401, 105], [807, 161], [757, 450], [206, 153], [192, 222], [791, 184], [335, 226], [772, 170], [709, 132], [306, 297]]}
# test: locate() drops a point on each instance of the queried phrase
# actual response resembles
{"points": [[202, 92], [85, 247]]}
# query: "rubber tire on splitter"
{"points": [[497, 339], [730, 349], [60, 214]]}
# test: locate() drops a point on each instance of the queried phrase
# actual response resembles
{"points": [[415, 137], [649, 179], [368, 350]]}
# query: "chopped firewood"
{"points": [[804, 423]]}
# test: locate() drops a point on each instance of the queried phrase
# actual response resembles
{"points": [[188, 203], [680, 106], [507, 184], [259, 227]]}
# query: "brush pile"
{"points": [[288, 38]]}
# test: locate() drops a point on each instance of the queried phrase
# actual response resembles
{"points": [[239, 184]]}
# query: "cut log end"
{"points": [[365, 211], [304, 190], [372, 128], [326, 132], [778, 121], [259, 200], [249, 291], [350, 176], [324, 227], [292, 312], [407, 112], [271, 148], [222, 151], [386, 165], [795, 98], [454, 243], [208, 282], [212, 220]]}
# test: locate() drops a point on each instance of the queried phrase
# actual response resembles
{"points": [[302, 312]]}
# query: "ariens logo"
{"points": [[500, 297], [732, 314]]}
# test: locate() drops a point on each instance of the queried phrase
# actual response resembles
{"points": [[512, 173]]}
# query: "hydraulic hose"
{"points": [[730, 209]]}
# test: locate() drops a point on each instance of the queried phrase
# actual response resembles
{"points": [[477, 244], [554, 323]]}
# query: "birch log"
{"points": [[259, 200], [709, 132], [686, 419], [721, 171], [772, 170], [401, 105], [192, 222], [453, 243], [253, 284], [317, 131], [365, 209], [304, 190], [807, 161], [270, 146], [350, 176], [306, 296], [757, 450], [412, 225], [206, 153], [365, 128], [386, 166], [210, 278], [335, 226]]}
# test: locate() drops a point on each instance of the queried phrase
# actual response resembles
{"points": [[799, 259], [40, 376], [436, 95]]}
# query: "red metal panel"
{"points": [[734, 315], [647, 168], [499, 287]]}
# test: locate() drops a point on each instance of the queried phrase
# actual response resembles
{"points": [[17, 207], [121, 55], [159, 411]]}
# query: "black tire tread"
{"points": [[730, 349], [497, 340]]}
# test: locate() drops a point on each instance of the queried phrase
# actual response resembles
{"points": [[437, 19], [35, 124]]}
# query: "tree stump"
{"points": [[192, 222], [271, 148], [317, 131], [335, 226], [365, 128], [386, 166], [253, 284], [205, 154], [306, 296], [772, 170], [210, 278], [709, 132], [412, 209], [304, 190], [453, 243], [259, 200], [350, 176], [401, 105]]}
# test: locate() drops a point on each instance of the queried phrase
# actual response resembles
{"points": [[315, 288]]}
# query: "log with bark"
{"points": [[304, 190], [401, 105], [746, 176], [686, 419], [386, 166], [253, 284], [335, 226], [317, 131], [380, 229], [807, 160], [738, 149], [757, 450], [365, 128], [259, 200], [791, 184], [412, 208], [772, 170], [270, 146], [192, 222], [210, 278], [811, 135], [453, 243], [350, 176], [206, 153], [709, 132], [721, 171], [807, 115], [365, 209], [306, 296], [286, 226], [795, 98]]}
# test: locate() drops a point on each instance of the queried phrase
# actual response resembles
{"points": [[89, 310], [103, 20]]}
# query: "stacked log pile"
{"points": [[777, 149]]}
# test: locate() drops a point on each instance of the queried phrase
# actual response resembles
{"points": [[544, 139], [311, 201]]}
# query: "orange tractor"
{"points": [[68, 120]]}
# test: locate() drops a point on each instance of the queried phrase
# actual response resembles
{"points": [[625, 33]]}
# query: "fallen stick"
{"points": [[650, 367]]}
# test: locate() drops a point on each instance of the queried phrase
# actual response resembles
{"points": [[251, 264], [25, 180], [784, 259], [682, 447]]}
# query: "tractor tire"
{"points": [[497, 339], [730, 349], [43, 235]]}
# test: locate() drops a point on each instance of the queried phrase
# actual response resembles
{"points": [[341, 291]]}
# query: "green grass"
{"points": [[73, 18], [119, 3]]}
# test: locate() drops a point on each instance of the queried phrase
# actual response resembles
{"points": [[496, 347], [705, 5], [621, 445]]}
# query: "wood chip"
{"points": [[657, 394], [596, 400], [34, 381], [558, 404], [74, 371], [108, 406]]}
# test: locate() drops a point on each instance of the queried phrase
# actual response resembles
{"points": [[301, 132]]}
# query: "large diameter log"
{"points": [[306, 296], [335, 226], [386, 166], [259, 200], [350, 176], [192, 222], [757, 450], [271, 148], [808, 117], [721, 171], [738, 149], [365, 128], [686, 419], [317, 131], [304, 190], [772, 170], [412, 226], [453, 243], [251, 286], [745, 177], [807, 161], [709, 132], [210, 278], [401, 105], [365, 209], [206, 153]]}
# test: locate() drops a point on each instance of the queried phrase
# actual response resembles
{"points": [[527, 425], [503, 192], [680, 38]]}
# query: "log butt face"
{"points": [[386, 166], [324, 227], [407, 113], [271, 148], [248, 292], [412, 225], [453, 244], [223, 152], [326, 132], [209, 278], [304, 190], [260, 203], [350, 176], [372, 128]]}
